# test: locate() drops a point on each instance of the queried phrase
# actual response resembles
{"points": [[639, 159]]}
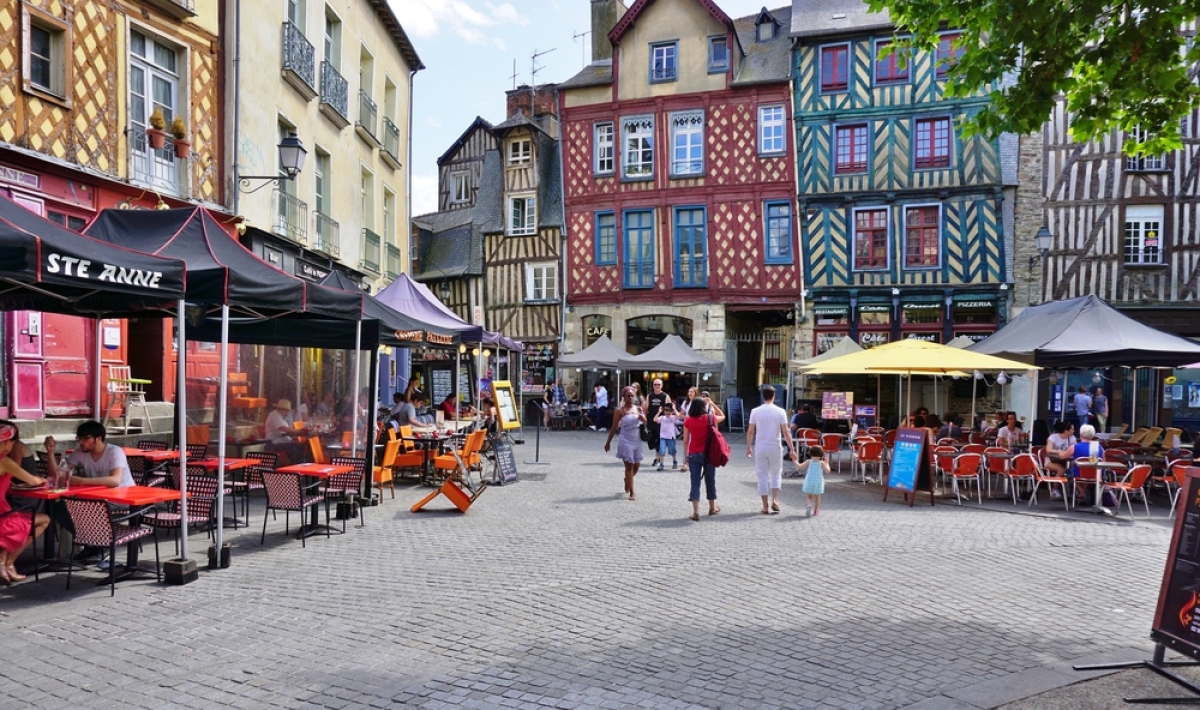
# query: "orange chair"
{"points": [[409, 458], [1179, 471], [995, 463], [943, 460], [1135, 480], [889, 443], [318, 451], [974, 448], [470, 447], [966, 469], [1027, 462], [299, 426], [383, 472]]}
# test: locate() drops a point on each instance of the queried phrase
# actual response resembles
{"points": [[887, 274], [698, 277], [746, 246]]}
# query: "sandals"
{"points": [[714, 510], [10, 573], [694, 517], [775, 507]]}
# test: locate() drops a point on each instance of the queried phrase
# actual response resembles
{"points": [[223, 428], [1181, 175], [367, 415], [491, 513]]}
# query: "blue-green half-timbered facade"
{"points": [[904, 222]]}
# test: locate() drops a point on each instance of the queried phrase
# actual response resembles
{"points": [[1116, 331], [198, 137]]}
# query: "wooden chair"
{"points": [[1120, 432], [384, 473], [123, 389], [1134, 480]]}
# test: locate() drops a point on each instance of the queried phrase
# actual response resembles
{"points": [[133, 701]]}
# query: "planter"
{"points": [[182, 148], [156, 138]]}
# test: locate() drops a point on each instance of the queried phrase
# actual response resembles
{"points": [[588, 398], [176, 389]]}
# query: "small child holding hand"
{"points": [[814, 480]]}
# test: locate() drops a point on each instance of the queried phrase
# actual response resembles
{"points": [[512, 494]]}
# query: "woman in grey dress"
{"points": [[627, 419]]}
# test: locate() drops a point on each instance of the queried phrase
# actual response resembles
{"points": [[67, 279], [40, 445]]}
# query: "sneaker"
{"points": [[808, 511], [602, 429], [660, 466], [1055, 495], [593, 428], [88, 554], [816, 513]]}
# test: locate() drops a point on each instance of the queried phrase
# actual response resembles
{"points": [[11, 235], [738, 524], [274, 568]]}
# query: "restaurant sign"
{"points": [[927, 337], [309, 271], [82, 269], [417, 336], [870, 340]]}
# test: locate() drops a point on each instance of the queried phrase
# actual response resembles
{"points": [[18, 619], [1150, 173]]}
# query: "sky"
{"points": [[469, 47]]}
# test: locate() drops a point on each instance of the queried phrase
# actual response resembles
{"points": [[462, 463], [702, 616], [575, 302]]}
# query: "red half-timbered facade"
{"points": [[679, 181]]}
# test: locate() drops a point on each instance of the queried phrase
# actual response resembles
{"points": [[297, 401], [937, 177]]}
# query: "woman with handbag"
{"points": [[697, 428], [628, 419]]}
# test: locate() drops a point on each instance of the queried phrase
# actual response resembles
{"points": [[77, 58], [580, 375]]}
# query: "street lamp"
{"points": [[1042, 241], [291, 161], [444, 290]]}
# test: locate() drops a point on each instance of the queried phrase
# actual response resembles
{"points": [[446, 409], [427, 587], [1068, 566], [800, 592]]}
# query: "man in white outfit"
{"points": [[768, 424]]}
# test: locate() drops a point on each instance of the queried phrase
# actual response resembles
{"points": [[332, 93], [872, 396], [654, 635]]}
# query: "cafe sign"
{"points": [[417, 336], [85, 270], [927, 337], [870, 340]]}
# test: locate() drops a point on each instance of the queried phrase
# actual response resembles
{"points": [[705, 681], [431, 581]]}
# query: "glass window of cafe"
{"points": [[921, 321], [874, 324], [975, 319], [642, 334], [830, 324]]}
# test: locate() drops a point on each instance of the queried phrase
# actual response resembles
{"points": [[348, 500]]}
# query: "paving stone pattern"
{"points": [[559, 593]]}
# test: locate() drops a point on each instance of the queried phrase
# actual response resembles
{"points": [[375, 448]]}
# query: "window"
{"points": [[460, 188], [691, 242], [687, 143], [389, 216], [835, 68], [922, 237], [541, 282], [765, 31], [333, 39], [296, 9], [638, 139], [639, 249], [932, 145], [153, 85], [519, 151], [779, 232], [522, 215], [1144, 162], [851, 148], [321, 179], [604, 148], [718, 55], [46, 42], [663, 65], [770, 130], [870, 239], [70, 221], [888, 69], [606, 238], [1143, 234], [947, 54]]}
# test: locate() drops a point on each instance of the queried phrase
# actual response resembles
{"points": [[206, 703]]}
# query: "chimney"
{"points": [[544, 101], [605, 14]]}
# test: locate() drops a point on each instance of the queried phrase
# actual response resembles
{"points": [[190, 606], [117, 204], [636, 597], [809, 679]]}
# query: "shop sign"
{"points": [[870, 340], [881, 308], [81, 269], [309, 271], [597, 331], [921, 306], [20, 177], [973, 336], [831, 310], [273, 257], [975, 304], [416, 336], [927, 337]]}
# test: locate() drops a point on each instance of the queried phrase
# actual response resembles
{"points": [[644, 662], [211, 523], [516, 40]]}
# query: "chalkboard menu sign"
{"points": [[837, 405], [506, 462], [441, 384], [910, 470], [735, 414], [465, 392], [1176, 618]]}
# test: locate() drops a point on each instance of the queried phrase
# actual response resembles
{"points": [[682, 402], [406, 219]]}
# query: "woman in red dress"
{"points": [[14, 524]]}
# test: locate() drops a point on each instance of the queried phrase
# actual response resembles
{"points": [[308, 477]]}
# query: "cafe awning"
{"points": [[602, 354], [671, 355], [913, 357]]}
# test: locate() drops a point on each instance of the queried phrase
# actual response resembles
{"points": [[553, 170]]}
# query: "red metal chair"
{"points": [[869, 453], [832, 444], [286, 492], [195, 452], [1134, 480], [1021, 471], [974, 448], [151, 445], [202, 499], [889, 443], [1179, 473], [943, 460], [1039, 477], [995, 463], [966, 470], [98, 523]]}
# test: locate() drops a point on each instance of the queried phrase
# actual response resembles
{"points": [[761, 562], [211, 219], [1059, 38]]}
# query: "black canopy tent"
{"points": [[221, 272]]}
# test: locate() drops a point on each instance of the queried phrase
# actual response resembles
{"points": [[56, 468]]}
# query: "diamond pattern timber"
{"points": [[205, 174], [10, 63]]}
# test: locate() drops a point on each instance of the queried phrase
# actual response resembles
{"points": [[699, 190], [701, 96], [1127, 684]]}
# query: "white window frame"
{"points": [[687, 134], [1140, 163], [60, 48], [522, 215], [605, 148], [941, 236], [659, 73], [460, 187], [637, 137], [772, 131], [158, 168], [1143, 222], [321, 167], [520, 151], [541, 282]]}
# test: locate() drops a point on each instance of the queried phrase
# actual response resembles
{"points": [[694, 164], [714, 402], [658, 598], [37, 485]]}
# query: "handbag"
{"points": [[716, 450], [643, 432]]}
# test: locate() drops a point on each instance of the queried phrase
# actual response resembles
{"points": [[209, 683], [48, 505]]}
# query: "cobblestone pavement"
{"points": [[559, 593]]}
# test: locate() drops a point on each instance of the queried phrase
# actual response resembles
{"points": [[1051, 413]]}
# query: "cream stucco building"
{"points": [[339, 74]]}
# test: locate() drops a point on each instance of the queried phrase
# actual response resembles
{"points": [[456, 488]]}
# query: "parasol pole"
{"points": [[910, 390], [1033, 378], [222, 407], [1133, 408], [878, 400], [357, 373], [974, 386]]}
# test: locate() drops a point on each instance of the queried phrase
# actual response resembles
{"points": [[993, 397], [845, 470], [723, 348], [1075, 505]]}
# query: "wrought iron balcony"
{"points": [[391, 141], [157, 169], [639, 274], [366, 118], [691, 271], [291, 217], [392, 268], [370, 251], [327, 235], [299, 61], [334, 95]]}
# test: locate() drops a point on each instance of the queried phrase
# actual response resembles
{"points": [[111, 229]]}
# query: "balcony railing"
{"points": [[392, 268], [291, 217], [157, 169], [391, 139], [639, 274], [299, 60], [327, 235], [334, 94], [370, 251], [691, 271], [366, 116]]}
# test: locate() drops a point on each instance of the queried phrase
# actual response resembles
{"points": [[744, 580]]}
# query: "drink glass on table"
{"points": [[62, 480]]}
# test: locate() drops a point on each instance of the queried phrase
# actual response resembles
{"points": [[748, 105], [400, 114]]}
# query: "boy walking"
{"points": [[768, 424]]}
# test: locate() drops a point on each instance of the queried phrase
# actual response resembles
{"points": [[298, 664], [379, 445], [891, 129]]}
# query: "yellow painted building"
{"points": [[338, 74]]}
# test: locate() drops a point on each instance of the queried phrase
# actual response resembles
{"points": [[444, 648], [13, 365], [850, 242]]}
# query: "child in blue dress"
{"points": [[814, 480]]}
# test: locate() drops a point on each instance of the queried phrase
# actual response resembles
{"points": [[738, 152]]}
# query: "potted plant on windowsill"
{"points": [[182, 146], [156, 134]]}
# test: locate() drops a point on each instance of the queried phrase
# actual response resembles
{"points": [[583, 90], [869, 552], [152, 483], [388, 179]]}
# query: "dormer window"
{"points": [[765, 27]]}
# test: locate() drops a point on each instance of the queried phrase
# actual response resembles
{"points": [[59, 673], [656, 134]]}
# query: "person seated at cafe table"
{"points": [[952, 429], [407, 415], [1059, 446], [102, 464], [1010, 434], [452, 409], [1083, 450], [15, 523]]}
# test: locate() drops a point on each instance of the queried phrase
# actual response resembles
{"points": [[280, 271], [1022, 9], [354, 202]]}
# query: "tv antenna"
{"points": [[514, 74], [582, 47], [534, 68]]}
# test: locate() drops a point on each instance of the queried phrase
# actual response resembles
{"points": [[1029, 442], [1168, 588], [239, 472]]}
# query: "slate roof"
{"points": [[763, 62], [595, 74], [479, 122], [824, 17], [450, 243], [550, 194], [518, 121]]}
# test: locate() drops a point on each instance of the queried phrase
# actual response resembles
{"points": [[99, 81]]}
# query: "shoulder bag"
{"points": [[716, 450]]}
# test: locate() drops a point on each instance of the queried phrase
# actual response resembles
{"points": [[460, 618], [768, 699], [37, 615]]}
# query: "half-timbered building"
{"points": [[906, 224], [679, 171]]}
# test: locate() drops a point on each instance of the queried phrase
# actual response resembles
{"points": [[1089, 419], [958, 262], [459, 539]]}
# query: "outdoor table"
{"points": [[319, 472], [138, 498], [44, 494], [428, 444], [1102, 466]]}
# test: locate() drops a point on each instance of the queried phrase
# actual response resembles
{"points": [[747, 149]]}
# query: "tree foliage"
{"points": [[1120, 66]]}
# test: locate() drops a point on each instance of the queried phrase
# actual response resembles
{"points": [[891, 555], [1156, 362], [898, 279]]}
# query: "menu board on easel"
{"points": [[1176, 621], [911, 470], [837, 405], [506, 404], [441, 384]]}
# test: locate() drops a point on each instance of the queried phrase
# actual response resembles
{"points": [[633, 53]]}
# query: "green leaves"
{"points": [[1124, 66]]}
